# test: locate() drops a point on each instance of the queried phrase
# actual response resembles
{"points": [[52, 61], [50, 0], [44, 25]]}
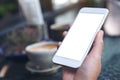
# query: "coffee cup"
{"points": [[58, 29], [41, 54]]}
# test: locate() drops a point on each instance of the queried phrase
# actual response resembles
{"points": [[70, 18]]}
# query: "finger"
{"points": [[97, 45], [59, 43], [68, 73], [64, 33]]}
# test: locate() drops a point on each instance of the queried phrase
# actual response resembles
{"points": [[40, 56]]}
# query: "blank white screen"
{"points": [[76, 43]]}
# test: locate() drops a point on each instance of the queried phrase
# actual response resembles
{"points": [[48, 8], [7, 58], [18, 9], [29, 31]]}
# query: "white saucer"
{"points": [[37, 69]]}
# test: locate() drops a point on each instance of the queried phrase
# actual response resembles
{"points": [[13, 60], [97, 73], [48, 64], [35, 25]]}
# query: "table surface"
{"points": [[18, 71], [110, 65]]}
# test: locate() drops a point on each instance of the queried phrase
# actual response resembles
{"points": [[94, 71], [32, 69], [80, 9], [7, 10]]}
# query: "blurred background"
{"points": [[17, 31]]}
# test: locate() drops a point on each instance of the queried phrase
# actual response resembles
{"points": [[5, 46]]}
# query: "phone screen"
{"points": [[76, 42]]}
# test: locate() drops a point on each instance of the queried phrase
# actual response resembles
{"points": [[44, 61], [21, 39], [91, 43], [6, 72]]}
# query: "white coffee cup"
{"points": [[41, 54]]}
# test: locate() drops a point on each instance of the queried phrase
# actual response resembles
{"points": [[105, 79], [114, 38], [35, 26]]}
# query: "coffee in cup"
{"points": [[43, 47]]}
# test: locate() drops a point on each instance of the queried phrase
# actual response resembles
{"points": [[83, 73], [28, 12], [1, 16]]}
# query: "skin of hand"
{"points": [[91, 67]]}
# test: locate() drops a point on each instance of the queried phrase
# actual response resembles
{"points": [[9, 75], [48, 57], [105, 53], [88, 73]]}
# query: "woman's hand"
{"points": [[91, 67]]}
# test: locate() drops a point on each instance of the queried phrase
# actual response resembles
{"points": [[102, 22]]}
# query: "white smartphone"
{"points": [[80, 37]]}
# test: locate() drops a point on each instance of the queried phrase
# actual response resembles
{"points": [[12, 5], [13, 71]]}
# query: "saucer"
{"points": [[37, 69]]}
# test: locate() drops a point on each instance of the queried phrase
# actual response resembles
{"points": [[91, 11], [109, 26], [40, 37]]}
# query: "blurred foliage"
{"points": [[95, 3], [8, 7], [22, 37], [18, 39]]}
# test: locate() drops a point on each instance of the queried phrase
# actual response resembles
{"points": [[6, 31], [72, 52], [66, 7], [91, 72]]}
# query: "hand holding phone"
{"points": [[80, 37]]}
